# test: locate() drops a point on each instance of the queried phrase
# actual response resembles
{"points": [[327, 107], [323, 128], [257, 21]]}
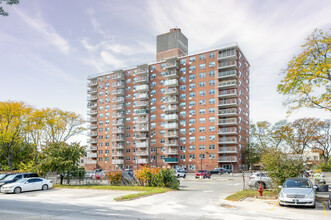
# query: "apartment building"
{"points": [[183, 110]]}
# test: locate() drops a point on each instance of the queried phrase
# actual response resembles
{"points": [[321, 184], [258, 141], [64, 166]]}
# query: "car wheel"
{"points": [[204, 177], [184, 176], [257, 185], [313, 206], [17, 190], [280, 204], [44, 187]]}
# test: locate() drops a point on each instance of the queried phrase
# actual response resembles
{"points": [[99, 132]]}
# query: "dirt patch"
{"points": [[224, 205]]}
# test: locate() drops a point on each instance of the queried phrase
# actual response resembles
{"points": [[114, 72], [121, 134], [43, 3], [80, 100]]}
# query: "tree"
{"points": [[61, 158], [323, 139], [61, 125], [307, 81], [8, 2], [13, 117]]}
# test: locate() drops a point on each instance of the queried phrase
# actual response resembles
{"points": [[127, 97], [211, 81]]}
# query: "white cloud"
{"points": [[46, 30], [108, 58]]}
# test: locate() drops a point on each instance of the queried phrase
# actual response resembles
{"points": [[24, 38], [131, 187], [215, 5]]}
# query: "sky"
{"points": [[48, 48]]}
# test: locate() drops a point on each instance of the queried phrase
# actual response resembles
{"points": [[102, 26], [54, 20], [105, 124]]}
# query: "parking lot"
{"points": [[197, 199]]}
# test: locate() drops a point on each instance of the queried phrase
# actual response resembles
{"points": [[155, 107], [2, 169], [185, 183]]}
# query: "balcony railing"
{"points": [[142, 96], [92, 83], [171, 74], [118, 154], [172, 82], [173, 64], [141, 121], [142, 161], [90, 161], [118, 138], [227, 64], [118, 100], [227, 93], [142, 153], [118, 146], [92, 98], [118, 131], [91, 91], [227, 102], [171, 134], [118, 76], [142, 71], [171, 117], [118, 91], [92, 105], [118, 115], [227, 54], [172, 100], [118, 84], [142, 128], [227, 83], [171, 152], [93, 148], [118, 107], [142, 104], [117, 161], [171, 160], [171, 143], [229, 130], [141, 112], [92, 119], [171, 126], [171, 91], [92, 126], [92, 112], [227, 74], [142, 88], [229, 159], [92, 155], [171, 108], [93, 133], [227, 150], [228, 140], [92, 141], [142, 144], [228, 121], [141, 137], [227, 112]]}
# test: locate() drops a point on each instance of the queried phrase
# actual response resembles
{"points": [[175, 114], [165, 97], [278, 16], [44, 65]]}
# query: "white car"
{"points": [[180, 173], [25, 185], [260, 178]]}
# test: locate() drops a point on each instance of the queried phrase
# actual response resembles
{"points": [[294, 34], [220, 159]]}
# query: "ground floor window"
{"points": [[228, 166]]}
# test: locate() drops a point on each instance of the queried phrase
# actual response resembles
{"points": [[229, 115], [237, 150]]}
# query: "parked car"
{"points": [[15, 177], [182, 169], [260, 178], [180, 173], [89, 174], [4, 175], [24, 185], [219, 171], [203, 173], [297, 191]]}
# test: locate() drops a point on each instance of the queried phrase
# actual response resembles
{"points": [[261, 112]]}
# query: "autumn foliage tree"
{"points": [[307, 78]]}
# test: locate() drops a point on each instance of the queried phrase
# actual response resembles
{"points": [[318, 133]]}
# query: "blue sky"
{"points": [[50, 47]]}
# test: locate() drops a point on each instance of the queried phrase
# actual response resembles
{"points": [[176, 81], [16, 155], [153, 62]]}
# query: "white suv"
{"points": [[180, 173], [260, 178]]}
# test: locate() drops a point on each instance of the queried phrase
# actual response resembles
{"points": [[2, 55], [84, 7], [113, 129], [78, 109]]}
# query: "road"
{"points": [[197, 199]]}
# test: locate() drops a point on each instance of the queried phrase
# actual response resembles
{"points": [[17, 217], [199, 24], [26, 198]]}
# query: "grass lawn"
{"points": [[145, 191], [251, 193]]}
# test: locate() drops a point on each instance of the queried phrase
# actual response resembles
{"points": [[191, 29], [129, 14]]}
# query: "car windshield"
{"points": [[11, 177], [21, 181], [2, 176], [297, 183]]}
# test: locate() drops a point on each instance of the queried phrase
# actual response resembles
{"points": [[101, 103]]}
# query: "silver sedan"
{"points": [[24, 185]]}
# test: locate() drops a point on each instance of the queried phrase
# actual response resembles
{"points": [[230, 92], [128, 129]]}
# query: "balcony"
{"points": [[172, 117], [92, 141], [118, 123], [231, 159], [118, 154], [172, 82], [171, 91], [118, 115], [227, 74], [92, 155], [171, 135], [171, 108], [229, 130], [227, 150], [118, 76], [118, 100], [228, 121], [142, 161], [171, 143], [170, 65], [118, 107], [92, 127], [92, 119], [227, 93], [227, 103], [142, 79], [142, 71], [171, 126], [92, 105], [118, 131], [92, 112], [118, 91], [228, 84], [117, 146], [117, 162], [142, 128], [171, 160], [228, 140], [171, 152], [92, 134], [142, 137], [118, 84], [142, 96], [92, 91], [142, 88], [172, 100], [118, 138], [141, 121], [93, 148], [141, 112], [92, 98], [227, 64], [227, 54], [90, 161], [142, 104], [228, 112], [171, 74], [142, 144], [142, 153], [92, 83]]}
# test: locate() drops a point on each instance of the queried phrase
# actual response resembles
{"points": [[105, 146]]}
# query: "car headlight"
{"points": [[281, 194], [311, 195]]}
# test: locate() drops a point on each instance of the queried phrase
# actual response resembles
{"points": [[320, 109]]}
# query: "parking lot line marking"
{"points": [[275, 205], [324, 208]]}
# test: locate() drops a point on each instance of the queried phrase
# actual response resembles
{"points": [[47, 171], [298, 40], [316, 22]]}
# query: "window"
{"points": [[211, 156], [153, 117], [182, 122], [201, 147], [182, 131], [100, 137], [153, 84], [211, 146], [153, 100], [162, 74], [192, 121], [211, 119], [191, 77], [162, 90], [106, 151], [212, 92], [212, 64], [153, 68], [192, 103], [211, 137], [212, 82], [211, 128], [202, 138], [127, 158], [182, 148], [202, 57], [202, 75], [202, 129], [128, 81], [211, 110], [192, 85], [202, 120], [182, 140], [192, 112], [162, 65], [192, 59], [191, 130], [202, 156], [192, 148], [192, 139], [100, 159], [182, 114], [182, 61], [202, 84], [153, 75], [100, 144], [202, 93], [182, 70], [182, 105], [153, 125], [182, 79], [153, 109], [212, 73], [211, 101], [202, 102], [182, 96], [182, 157], [202, 66], [211, 54], [183, 87], [191, 68], [192, 94], [202, 111], [162, 82]]}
